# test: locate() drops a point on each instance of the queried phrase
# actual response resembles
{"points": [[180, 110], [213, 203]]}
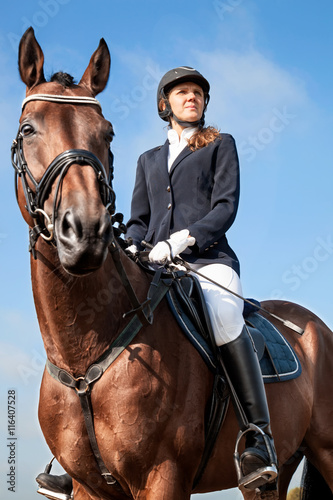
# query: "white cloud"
{"points": [[247, 87]]}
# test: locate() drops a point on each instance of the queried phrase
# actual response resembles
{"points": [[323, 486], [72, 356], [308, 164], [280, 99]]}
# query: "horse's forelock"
{"points": [[64, 79]]}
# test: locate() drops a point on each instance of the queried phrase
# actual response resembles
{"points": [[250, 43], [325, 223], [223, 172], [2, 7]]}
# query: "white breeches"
{"points": [[225, 310]]}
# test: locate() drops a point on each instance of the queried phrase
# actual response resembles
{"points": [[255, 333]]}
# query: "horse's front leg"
{"points": [[80, 493], [166, 482]]}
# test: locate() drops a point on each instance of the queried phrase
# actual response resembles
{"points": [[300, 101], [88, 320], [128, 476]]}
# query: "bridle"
{"points": [[35, 198]]}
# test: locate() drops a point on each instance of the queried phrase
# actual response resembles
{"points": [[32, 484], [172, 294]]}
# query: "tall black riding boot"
{"points": [[258, 463]]}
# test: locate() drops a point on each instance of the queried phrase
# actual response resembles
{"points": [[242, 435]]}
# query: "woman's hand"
{"points": [[165, 251], [131, 250]]}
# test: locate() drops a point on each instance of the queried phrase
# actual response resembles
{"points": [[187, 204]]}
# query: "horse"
{"points": [[150, 405]]}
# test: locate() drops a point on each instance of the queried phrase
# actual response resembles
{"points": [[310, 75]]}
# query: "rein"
{"points": [[35, 198]]}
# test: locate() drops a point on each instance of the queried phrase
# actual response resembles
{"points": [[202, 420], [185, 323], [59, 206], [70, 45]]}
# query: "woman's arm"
{"points": [[140, 208]]}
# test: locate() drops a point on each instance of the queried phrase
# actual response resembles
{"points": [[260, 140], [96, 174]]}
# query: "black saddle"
{"points": [[278, 361]]}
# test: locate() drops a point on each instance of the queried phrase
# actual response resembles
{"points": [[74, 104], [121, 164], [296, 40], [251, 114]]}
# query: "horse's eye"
{"points": [[27, 129], [109, 138], [109, 133]]}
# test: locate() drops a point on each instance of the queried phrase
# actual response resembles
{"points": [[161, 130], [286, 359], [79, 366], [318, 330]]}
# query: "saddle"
{"points": [[278, 361]]}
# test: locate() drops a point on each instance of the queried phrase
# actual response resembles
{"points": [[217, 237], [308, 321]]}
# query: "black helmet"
{"points": [[174, 77]]}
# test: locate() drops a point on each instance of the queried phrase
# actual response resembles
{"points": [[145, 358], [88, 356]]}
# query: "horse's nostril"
{"points": [[77, 229], [65, 224], [71, 225], [105, 228]]}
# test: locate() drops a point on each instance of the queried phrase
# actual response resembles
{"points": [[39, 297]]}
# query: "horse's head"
{"points": [[62, 158]]}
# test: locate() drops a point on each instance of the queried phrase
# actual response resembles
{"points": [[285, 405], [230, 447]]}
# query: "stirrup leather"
{"points": [[261, 476], [53, 495]]}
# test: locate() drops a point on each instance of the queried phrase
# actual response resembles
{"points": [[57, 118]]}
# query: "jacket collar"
{"points": [[183, 154], [161, 159]]}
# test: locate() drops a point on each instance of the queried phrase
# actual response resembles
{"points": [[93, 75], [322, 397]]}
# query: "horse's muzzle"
{"points": [[82, 239]]}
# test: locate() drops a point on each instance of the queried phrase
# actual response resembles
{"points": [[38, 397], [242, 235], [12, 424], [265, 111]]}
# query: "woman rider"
{"points": [[185, 199]]}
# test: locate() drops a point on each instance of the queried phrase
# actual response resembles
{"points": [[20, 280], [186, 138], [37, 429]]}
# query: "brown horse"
{"points": [[149, 406]]}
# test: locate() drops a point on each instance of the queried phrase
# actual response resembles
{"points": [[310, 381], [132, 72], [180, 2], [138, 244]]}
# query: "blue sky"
{"points": [[269, 64]]}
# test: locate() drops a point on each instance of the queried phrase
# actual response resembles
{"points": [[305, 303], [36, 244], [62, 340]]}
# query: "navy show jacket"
{"points": [[200, 193]]}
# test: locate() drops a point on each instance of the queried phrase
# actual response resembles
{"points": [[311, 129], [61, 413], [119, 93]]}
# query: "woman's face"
{"points": [[187, 101]]}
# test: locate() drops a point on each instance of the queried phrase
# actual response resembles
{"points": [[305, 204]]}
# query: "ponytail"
{"points": [[203, 137]]}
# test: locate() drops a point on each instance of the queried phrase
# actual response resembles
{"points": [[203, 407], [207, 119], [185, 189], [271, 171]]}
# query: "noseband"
{"points": [[44, 226]]}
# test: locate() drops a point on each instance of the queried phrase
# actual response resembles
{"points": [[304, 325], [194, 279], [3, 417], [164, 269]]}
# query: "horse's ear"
{"points": [[31, 60], [96, 75]]}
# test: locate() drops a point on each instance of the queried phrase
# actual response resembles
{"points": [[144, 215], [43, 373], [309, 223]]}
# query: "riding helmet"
{"points": [[174, 77]]}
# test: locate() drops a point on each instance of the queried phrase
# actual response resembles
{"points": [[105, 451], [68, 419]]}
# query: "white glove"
{"points": [[131, 250], [178, 242]]}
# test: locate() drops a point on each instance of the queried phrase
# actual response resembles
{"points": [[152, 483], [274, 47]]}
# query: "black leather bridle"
{"points": [[35, 198]]}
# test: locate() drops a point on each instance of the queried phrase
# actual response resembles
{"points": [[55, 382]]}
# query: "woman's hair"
{"points": [[202, 137]]}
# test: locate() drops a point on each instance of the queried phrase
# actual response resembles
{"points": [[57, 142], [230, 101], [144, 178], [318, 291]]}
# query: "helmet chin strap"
{"points": [[184, 123]]}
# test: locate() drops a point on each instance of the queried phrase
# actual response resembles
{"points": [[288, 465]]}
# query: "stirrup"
{"points": [[53, 495], [261, 476]]}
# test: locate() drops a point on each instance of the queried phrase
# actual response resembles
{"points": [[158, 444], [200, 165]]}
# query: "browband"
{"points": [[72, 99]]}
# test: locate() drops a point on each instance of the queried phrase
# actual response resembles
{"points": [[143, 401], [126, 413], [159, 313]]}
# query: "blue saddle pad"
{"points": [[279, 361]]}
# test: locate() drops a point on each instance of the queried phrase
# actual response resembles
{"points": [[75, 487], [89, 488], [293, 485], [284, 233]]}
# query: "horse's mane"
{"points": [[64, 79]]}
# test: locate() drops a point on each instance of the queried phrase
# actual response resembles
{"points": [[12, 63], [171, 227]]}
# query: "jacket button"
{"points": [[169, 206], [168, 189]]}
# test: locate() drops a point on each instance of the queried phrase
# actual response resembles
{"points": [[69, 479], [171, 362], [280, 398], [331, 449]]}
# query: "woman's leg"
{"points": [[258, 463], [225, 310]]}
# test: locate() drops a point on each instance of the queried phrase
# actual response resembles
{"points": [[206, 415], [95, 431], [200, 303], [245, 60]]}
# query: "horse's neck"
{"points": [[80, 317]]}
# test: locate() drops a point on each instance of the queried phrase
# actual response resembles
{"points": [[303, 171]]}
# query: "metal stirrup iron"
{"points": [[261, 476]]}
